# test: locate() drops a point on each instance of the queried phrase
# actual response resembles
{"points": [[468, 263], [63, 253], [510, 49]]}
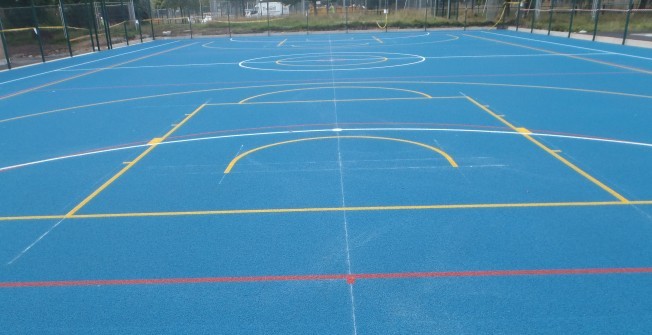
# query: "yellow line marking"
{"points": [[551, 152], [153, 143], [334, 87], [156, 140], [635, 69], [523, 131], [334, 209], [87, 73], [378, 39], [188, 117], [439, 151], [282, 42]]}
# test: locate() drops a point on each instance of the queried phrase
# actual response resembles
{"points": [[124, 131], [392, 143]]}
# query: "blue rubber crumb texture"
{"points": [[368, 109]]}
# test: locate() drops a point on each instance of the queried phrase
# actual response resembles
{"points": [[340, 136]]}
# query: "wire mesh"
{"points": [[41, 32]]}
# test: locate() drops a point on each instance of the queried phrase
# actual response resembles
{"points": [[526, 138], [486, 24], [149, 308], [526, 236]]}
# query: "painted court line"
{"points": [[349, 278], [84, 63], [149, 66], [599, 52], [526, 133], [244, 154], [152, 144], [631, 68], [334, 87], [516, 56], [328, 130], [89, 73], [35, 242], [334, 209], [155, 96]]}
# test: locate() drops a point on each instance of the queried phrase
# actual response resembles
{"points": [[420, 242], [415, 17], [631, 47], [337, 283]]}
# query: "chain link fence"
{"points": [[35, 33]]}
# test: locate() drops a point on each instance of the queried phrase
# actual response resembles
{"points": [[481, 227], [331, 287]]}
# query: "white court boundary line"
{"points": [[375, 82], [85, 63], [268, 62], [334, 130], [453, 38], [417, 59], [569, 45]]}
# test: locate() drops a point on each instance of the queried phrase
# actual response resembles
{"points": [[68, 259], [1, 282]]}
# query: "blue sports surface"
{"points": [[442, 182]]}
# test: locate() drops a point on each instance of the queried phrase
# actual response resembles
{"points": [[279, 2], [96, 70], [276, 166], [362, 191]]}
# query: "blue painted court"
{"points": [[446, 182]]}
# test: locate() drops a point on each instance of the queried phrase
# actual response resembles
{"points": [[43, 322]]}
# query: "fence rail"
{"points": [[40, 33]]}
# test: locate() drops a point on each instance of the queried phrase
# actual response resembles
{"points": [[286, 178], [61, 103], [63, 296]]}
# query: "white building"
{"points": [[273, 8]]}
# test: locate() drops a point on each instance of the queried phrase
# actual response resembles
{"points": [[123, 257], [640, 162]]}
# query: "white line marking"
{"points": [[236, 155], [570, 46], [35, 242], [150, 66], [344, 215], [521, 55], [335, 130], [89, 62]]}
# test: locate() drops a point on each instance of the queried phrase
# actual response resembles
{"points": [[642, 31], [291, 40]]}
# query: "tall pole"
{"points": [[268, 32], [597, 18], [37, 30], [346, 17], [629, 12], [4, 45], [151, 19], [92, 26], [466, 12], [105, 23], [124, 22], [425, 19], [228, 17], [65, 26], [518, 15], [189, 22], [570, 24], [533, 16], [552, 7]]}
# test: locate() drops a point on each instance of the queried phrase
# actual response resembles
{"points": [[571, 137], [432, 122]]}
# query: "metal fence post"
{"points": [[140, 30], [228, 18], [95, 27], [107, 26], [4, 45], [124, 23], [629, 12], [189, 23], [597, 18], [425, 20], [466, 13], [65, 26], [37, 30], [552, 8], [91, 25], [570, 25], [151, 19], [532, 21], [518, 16]]}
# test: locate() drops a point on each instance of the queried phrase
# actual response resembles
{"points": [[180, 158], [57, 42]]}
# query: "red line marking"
{"points": [[350, 278]]}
